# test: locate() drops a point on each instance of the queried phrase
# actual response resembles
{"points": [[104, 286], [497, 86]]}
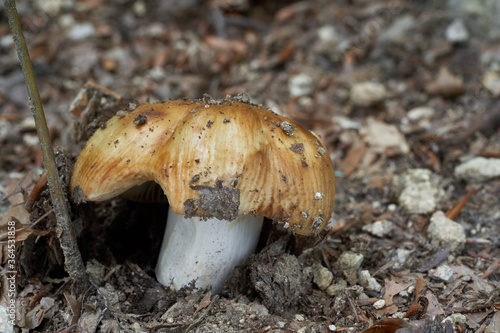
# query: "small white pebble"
{"points": [[319, 196], [332, 327], [121, 113], [132, 106], [299, 317], [379, 304], [400, 315], [455, 318]]}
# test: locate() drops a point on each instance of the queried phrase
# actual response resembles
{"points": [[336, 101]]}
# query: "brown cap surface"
{"points": [[215, 159]]}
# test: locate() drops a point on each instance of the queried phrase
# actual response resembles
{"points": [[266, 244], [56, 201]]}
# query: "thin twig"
{"points": [[72, 258], [59, 289], [203, 315], [67, 329], [41, 218], [35, 192], [106, 306], [455, 211]]}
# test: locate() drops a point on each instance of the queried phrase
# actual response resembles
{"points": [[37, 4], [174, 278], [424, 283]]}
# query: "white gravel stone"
{"points": [[346, 123], [301, 85], [5, 326], [379, 304], [81, 31], [367, 93], [444, 232], [53, 7], [368, 282], [400, 315], [457, 32], [336, 288], [444, 273], [6, 41], [259, 310], [421, 193], [420, 198], [422, 112], [400, 29], [299, 317], [478, 169], [456, 318], [380, 228], [323, 277], [401, 258], [328, 33], [349, 261]]}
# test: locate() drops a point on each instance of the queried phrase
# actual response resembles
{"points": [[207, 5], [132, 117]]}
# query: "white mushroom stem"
{"points": [[205, 251]]}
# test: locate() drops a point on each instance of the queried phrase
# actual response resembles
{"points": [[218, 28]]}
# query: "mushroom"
{"points": [[224, 165]]}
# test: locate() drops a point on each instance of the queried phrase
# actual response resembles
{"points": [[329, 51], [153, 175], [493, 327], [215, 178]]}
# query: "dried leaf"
{"points": [[494, 325], [434, 308], [387, 325], [23, 233], [420, 287], [384, 138], [418, 308], [75, 306], [392, 288], [354, 156], [446, 85], [204, 302]]}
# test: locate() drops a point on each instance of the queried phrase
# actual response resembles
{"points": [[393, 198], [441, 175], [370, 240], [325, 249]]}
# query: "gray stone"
{"points": [[81, 31], [323, 277], [422, 112], [421, 193], [301, 85], [368, 282], [444, 273], [478, 169], [367, 93], [401, 256], [336, 288], [380, 228], [349, 261], [456, 31], [445, 232], [399, 30]]}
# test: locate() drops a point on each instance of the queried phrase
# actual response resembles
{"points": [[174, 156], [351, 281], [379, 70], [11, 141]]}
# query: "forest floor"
{"points": [[404, 94]]}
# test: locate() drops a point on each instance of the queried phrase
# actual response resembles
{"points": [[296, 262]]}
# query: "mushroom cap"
{"points": [[213, 158]]}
